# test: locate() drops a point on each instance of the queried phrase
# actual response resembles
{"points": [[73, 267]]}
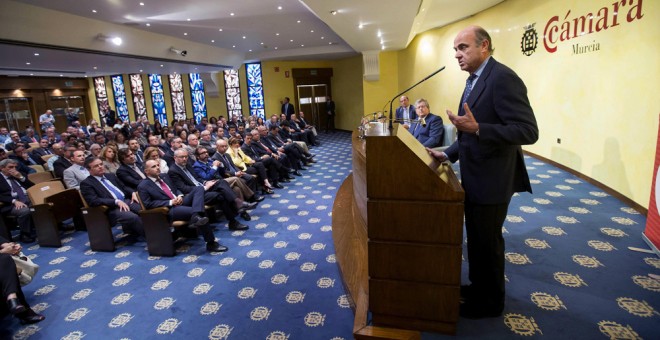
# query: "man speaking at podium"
{"points": [[494, 119]]}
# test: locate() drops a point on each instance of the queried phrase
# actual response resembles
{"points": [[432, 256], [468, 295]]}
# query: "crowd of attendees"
{"points": [[186, 166]]}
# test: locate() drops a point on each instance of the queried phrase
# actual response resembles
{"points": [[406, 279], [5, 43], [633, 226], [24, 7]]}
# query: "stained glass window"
{"points": [[176, 91], [137, 89], [255, 89], [158, 99], [198, 97], [233, 93], [101, 98], [121, 106]]}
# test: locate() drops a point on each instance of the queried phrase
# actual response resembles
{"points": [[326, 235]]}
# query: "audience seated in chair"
{"points": [[14, 301], [14, 198]]}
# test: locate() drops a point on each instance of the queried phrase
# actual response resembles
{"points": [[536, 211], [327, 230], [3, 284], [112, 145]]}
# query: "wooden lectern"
{"points": [[397, 229]]}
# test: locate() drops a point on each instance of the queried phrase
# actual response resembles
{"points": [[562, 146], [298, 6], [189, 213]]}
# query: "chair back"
{"points": [[38, 192], [34, 145], [45, 158], [39, 177], [140, 200], [37, 167], [450, 135]]}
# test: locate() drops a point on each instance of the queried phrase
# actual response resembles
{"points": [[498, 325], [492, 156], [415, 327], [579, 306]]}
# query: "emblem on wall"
{"points": [[529, 40]]}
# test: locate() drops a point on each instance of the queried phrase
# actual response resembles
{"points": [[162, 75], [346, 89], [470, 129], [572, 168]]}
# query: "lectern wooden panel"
{"points": [[412, 210]]}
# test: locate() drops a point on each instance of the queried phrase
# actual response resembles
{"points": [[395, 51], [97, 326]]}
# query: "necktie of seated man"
{"points": [[18, 189], [166, 189], [108, 185]]}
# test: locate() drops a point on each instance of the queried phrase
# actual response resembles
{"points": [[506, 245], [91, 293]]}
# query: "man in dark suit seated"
{"points": [[260, 154], [105, 189], [129, 173], [158, 190], [63, 162], [24, 160], [215, 192], [428, 128], [30, 136], [14, 141], [135, 147], [405, 112], [292, 150], [42, 150], [14, 197], [289, 157], [11, 294]]}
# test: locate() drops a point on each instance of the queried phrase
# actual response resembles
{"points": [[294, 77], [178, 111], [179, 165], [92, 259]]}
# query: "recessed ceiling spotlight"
{"points": [[322, 38], [188, 19], [291, 40], [275, 47], [361, 26], [36, 54], [93, 11], [212, 40], [141, 4], [277, 34], [148, 24], [232, 14], [249, 50], [330, 43], [279, 7], [185, 33], [219, 29], [140, 71], [311, 31], [28, 63], [298, 21], [61, 75], [382, 47], [244, 37], [31, 74], [379, 33], [234, 46], [262, 43], [302, 45], [161, 65], [115, 40], [95, 67], [333, 12]]}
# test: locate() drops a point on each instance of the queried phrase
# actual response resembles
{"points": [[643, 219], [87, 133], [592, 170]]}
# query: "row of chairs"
{"points": [[52, 204]]}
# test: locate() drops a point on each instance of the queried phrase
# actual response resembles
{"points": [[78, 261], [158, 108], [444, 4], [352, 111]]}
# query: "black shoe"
{"points": [[197, 220], [278, 185], [248, 205], [289, 177], [30, 317], [246, 216], [267, 191], [473, 310], [215, 247], [15, 307], [297, 173], [235, 225], [27, 238], [257, 198], [303, 168]]}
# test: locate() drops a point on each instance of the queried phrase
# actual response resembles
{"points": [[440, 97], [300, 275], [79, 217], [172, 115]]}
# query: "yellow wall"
{"points": [[603, 104], [378, 93]]}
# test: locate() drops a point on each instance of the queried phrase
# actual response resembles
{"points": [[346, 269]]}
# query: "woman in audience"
{"points": [[163, 134], [213, 121], [110, 159], [92, 126], [120, 140], [247, 164], [183, 134], [15, 302], [158, 128], [260, 122], [152, 153]]}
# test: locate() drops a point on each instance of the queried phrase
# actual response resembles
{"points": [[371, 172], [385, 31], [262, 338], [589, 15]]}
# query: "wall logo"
{"points": [[529, 40]]}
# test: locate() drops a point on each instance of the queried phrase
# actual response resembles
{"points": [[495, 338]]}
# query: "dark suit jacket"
{"points": [[28, 140], [226, 169], [411, 112], [5, 192], [96, 194], [153, 196], [492, 164], [60, 165], [430, 135], [129, 178], [38, 152], [330, 108], [288, 110], [181, 180], [254, 150]]}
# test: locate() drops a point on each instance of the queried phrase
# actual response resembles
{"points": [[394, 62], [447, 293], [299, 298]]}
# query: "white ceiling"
{"points": [[258, 30]]}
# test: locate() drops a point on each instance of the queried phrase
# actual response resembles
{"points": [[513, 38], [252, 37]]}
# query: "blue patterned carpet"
{"points": [[569, 272]]}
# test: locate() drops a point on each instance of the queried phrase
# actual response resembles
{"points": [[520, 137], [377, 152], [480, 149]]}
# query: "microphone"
{"points": [[410, 88], [423, 122]]}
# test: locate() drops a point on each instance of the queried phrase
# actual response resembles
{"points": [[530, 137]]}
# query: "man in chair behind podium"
{"points": [[428, 128], [494, 119]]}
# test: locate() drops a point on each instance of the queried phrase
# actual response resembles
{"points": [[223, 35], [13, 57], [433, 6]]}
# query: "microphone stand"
{"points": [[408, 89]]}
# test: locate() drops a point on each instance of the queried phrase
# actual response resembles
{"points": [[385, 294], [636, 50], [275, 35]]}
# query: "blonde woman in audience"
{"points": [[247, 164], [110, 159], [152, 153]]}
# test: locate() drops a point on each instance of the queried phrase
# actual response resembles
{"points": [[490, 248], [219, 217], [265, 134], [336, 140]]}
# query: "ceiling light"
{"points": [[93, 11], [262, 43], [212, 41], [302, 45], [115, 40], [95, 67], [275, 47], [185, 33], [36, 54], [382, 47], [234, 46], [188, 19], [330, 43], [298, 21], [360, 26], [322, 38], [27, 63], [219, 29], [140, 71], [312, 31], [232, 14], [31, 74], [141, 4], [279, 7], [249, 50], [148, 24], [291, 40], [333, 12], [277, 34], [379, 33], [61, 75], [161, 65]]}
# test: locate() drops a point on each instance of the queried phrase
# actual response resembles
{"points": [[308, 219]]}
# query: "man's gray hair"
{"points": [[7, 161]]}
